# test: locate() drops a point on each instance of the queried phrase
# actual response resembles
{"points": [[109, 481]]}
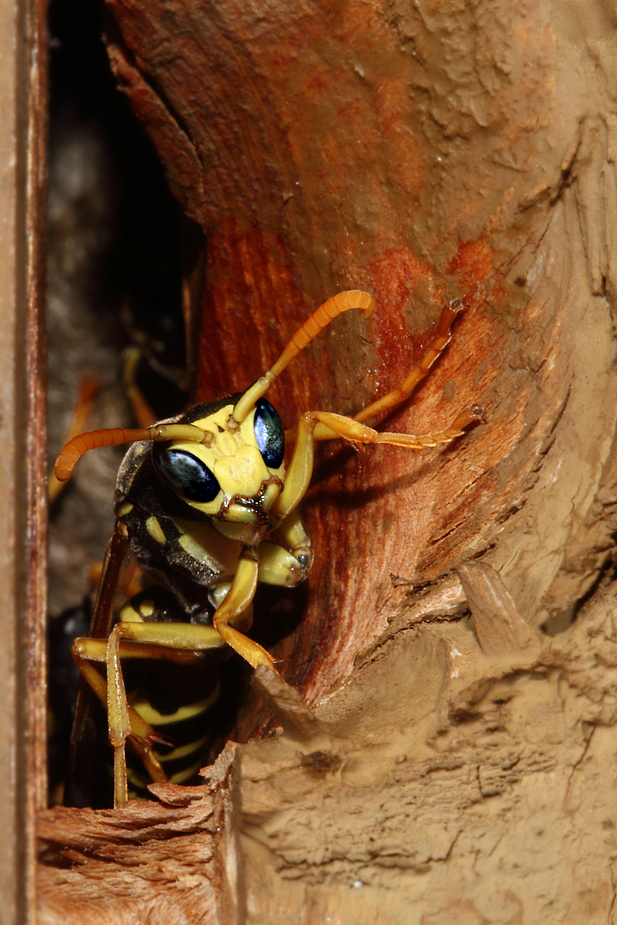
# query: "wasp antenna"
{"points": [[92, 440], [115, 436], [342, 302], [321, 317]]}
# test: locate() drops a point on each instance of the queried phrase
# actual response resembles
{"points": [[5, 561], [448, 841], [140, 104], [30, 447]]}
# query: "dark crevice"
{"points": [[114, 36], [114, 281], [560, 622]]}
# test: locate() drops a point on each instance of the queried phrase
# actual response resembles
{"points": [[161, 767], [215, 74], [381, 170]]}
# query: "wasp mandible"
{"points": [[208, 508]]}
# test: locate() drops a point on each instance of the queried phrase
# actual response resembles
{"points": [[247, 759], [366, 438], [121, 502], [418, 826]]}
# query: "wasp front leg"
{"points": [[337, 425], [236, 603], [287, 563]]}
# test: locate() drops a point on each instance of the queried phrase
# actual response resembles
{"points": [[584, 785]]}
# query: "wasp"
{"points": [[208, 507]]}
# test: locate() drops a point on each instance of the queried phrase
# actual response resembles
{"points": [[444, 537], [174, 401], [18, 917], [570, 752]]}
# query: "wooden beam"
{"points": [[22, 461]]}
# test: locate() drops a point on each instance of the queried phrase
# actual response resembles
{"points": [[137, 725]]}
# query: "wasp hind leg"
{"points": [[86, 651], [182, 643], [179, 642]]}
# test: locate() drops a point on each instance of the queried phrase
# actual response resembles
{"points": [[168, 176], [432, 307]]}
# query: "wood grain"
{"points": [[321, 151]]}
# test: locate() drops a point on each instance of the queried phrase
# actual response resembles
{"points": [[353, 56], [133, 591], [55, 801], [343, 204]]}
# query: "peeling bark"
{"points": [[422, 152]]}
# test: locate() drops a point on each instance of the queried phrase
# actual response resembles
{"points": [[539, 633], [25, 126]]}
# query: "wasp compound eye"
{"points": [[187, 475], [269, 434]]}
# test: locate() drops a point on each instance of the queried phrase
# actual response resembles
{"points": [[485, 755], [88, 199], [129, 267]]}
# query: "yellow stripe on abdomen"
{"points": [[186, 711]]}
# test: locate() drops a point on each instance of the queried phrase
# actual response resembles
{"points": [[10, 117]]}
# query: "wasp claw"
{"points": [[147, 742]]}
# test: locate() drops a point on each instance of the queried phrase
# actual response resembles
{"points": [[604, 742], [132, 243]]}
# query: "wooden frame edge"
{"points": [[23, 465]]}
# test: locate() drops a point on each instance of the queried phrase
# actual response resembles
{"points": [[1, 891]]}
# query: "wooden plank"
{"points": [[22, 461], [33, 593]]}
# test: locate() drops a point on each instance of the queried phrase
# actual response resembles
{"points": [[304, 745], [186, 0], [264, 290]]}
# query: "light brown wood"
{"points": [[173, 861]]}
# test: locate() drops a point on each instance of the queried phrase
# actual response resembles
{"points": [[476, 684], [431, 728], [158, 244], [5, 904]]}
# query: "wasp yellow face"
{"points": [[236, 473]]}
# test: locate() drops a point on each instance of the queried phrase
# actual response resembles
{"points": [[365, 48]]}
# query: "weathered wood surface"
{"points": [[441, 784], [421, 155], [422, 152], [153, 862]]}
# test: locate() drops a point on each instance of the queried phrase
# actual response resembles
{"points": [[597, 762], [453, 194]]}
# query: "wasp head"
{"points": [[236, 473]]}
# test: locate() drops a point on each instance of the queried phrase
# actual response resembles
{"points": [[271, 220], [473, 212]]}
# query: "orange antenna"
{"points": [[115, 436], [87, 393], [342, 302]]}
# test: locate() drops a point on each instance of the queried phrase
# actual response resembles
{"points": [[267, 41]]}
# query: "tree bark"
{"points": [[423, 152]]}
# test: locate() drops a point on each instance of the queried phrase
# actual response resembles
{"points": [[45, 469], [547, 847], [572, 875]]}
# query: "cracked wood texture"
{"points": [[422, 151]]}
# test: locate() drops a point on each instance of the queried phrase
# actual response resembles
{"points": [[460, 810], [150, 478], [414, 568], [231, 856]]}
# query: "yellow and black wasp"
{"points": [[209, 509]]}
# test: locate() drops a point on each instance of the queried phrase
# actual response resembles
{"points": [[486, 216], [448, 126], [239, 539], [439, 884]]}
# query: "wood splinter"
{"points": [[298, 722], [500, 628]]}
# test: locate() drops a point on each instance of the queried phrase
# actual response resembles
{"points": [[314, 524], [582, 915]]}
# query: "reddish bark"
{"points": [[369, 147]]}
